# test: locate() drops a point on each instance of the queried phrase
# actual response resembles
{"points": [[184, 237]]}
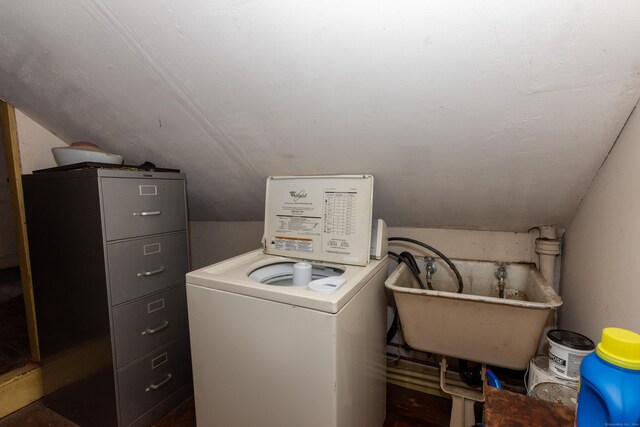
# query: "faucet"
{"points": [[430, 266], [501, 275]]}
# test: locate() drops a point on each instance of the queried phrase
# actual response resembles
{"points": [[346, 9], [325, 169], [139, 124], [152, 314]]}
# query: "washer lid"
{"points": [[319, 218]]}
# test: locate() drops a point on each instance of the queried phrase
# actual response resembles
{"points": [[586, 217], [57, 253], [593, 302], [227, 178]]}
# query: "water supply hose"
{"points": [[410, 261], [492, 379], [435, 251]]}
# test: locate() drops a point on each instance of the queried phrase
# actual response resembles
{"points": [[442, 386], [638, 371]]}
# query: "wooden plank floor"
{"points": [[410, 408], [405, 408]]}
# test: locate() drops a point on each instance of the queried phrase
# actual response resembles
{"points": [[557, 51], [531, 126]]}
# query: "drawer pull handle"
{"points": [[151, 272], [147, 213], [151, 331], [160, 384]]}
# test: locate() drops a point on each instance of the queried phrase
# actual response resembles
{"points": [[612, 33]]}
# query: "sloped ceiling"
{"points": [[486, 115]]}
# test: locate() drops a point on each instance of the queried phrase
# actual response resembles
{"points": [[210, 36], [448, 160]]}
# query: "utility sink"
{"points": [[475, 325]]}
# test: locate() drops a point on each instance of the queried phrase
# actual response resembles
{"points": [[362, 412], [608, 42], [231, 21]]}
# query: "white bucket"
{"points": [[566, 351], [539, 373], [557, 393]]}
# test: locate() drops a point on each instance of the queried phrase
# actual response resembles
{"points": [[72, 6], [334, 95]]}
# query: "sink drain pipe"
{"points": [[548, 248]]}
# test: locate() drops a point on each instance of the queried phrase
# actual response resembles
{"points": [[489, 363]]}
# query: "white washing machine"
{"points": [[269, 353]]}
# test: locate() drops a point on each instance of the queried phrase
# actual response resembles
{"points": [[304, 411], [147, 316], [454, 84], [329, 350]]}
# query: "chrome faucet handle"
{"points": [[430, 265], [501, 275], [501, 272]]}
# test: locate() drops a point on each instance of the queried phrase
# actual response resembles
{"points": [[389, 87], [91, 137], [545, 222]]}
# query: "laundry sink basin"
{"points": [[475, 325]]}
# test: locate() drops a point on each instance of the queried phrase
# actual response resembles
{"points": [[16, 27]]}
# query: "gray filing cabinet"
{"points": [[108, 252]]}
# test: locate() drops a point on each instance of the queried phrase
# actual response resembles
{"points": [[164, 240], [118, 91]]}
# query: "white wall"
{"points": [[472, 244], [491, 115], [601, 274], [214, 241], [35, 144]]}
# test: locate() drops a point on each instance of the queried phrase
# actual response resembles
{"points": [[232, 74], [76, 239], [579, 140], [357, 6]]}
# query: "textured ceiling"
{"points": [[485, 115]]}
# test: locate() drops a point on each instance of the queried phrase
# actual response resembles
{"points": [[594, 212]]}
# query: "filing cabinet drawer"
{"points": [[142, 266], [146, 383], [138, 207], [149, 323]]}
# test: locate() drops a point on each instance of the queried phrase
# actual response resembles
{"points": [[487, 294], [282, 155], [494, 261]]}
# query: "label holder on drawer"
{"points": [[152, 248], [155, 305], [148, 190], [159, 360]]}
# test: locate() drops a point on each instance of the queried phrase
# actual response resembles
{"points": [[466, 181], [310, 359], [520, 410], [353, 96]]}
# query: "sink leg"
{"points": [[462, 412]]}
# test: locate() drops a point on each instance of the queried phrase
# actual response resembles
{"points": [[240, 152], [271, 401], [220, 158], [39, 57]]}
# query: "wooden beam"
{"points": [[19, 388], [14, 172]]}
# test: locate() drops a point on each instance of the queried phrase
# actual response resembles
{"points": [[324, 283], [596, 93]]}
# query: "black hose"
{"points": [[437, 252], [410, 261], [393, 329]]}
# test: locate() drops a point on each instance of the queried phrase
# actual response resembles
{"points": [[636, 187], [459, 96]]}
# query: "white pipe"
{"points": [[426, 378], [548, 248], [463, 400]]}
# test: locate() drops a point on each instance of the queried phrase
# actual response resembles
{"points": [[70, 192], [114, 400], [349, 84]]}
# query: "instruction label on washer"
{"points": [[292, 244], [319, 218], [339, 220]]}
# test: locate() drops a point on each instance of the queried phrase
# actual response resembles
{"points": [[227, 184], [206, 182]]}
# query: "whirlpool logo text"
{"points": [[297, 195]]}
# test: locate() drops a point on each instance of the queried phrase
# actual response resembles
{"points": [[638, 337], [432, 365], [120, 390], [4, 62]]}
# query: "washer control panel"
{"points": [[320, 218]]}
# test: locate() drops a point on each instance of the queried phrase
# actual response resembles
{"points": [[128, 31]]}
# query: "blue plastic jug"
{"points": [[610, 382]]}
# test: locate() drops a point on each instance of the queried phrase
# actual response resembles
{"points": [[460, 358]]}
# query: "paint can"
{"points": [[539, 372], [566, 351], [557, 393]]}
